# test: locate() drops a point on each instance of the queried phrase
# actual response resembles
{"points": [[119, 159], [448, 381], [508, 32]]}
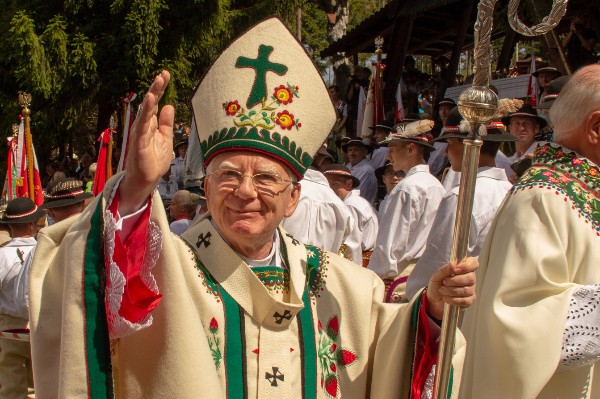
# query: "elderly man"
{"points": [[237, 307], [366, 222], [361, 168], [524, 125], [21, 216], [533, 332], [545, 76], [407, 215], [182, 210]]}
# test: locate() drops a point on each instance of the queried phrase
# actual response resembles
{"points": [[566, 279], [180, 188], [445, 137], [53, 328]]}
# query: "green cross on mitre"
{"points": [[261, 66]]}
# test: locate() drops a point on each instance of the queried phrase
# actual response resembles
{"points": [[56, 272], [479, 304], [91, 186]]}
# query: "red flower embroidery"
{"points": [[285, 120], [577, 161], [333, 327], [345, 357], [214, 326], [331, 385], [283, 95], [231, 107], [593, 172], [333, 347], [333, 367]]}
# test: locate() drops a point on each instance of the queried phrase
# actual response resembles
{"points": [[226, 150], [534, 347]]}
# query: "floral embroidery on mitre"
{"points": [[267, 117], [119, 326], [332, 357], [567, 174]]}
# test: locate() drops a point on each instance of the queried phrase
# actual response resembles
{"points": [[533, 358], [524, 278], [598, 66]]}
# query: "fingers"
{"points": [[150, 107]]}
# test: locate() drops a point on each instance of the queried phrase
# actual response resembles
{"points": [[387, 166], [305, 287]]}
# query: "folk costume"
{"points": [[15, 356], [536, 314], [490, 189], [138, 312], [406, 217], [321, 218]]}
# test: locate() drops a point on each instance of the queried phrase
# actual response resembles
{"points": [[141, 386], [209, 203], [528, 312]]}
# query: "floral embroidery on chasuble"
{"points": [[262, 321]]}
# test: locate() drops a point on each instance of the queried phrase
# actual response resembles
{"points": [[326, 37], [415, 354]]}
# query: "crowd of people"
{"points": [[306, 267]]}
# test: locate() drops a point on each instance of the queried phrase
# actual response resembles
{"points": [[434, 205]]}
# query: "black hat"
{"points": [[418, 132], [357, 142], [548, 70], [22, 210], [380, 171], [386, 125], [63, 192], [552, 91], [182, 142], [447, 101], [526, 111], [340, 170], [457, 127]]}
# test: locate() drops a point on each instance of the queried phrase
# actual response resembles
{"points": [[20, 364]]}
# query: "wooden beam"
{"points": [[401, 36], [507, 51]]}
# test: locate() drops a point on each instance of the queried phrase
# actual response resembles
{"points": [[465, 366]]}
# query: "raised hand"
{"points": [[151, 148], [453, 284]]}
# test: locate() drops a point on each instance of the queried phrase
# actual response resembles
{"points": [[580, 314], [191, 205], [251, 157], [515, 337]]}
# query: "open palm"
{"points": [[151, 148]]}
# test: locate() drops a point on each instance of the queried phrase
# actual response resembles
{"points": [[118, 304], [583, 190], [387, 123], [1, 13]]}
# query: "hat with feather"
{"points": [[264, 95], [457, 127], [418, 132]]}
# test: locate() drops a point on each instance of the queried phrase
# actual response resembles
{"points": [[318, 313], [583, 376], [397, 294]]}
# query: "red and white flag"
{"points": [[369, 113], [533, 90], [399, 114]]}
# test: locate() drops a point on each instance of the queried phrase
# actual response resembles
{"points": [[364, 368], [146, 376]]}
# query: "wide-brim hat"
{"points": [[357, 142], [22, 210], [457, 127], [547, 70], [386, 125], [380, 171], [418, 132], [525, 111], [552, 91], [181, 143], [264, 95], [63, 192], [447, 101], [337, 169], [325, 152]]}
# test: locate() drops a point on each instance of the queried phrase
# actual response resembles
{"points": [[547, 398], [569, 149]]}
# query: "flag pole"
{"points": [[477, 105], [24, 102]]}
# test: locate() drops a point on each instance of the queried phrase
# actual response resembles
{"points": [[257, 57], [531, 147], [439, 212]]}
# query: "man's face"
{"points": [[391, 178], [455, 153], [444, 112], [356, 153], [340, 185], [380, 135], [244, 213], [181, 150], [524, 129], [398, 156], [545, 78]]}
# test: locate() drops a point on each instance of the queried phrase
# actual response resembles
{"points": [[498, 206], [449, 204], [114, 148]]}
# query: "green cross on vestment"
{"points": [[261, 66]]}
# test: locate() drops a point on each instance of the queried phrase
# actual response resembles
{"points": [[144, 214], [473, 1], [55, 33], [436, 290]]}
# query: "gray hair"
{"points": [[577, 100]]}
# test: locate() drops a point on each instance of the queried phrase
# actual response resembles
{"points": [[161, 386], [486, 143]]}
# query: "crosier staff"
{"points": [[477, 105]]}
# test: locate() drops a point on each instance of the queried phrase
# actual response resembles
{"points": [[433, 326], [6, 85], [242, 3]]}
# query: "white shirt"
{"points": [[529, 151], [180, 226], [12, 259], [490, 190], [437, 159], [504, 162], [368, 181], [406, 218], [178, 169], [378, 157], [321, 218], [167, 188], [451, 180], [365, 217]]}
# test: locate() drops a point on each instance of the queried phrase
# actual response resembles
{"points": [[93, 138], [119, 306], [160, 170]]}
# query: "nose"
{"points": [[246, 189]]}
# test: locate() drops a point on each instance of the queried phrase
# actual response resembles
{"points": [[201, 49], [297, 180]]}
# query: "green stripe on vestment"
{"points": [[97, 345], [234, 349], [309, 354]]}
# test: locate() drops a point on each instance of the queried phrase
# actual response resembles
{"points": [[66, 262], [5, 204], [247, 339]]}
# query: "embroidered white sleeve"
{"points": [[428, 386], [581, 337]]}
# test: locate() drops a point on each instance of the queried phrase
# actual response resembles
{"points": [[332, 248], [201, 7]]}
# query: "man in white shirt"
{"points": [[178, 165], [408, 214], [490, 190], [321, 218], [182, 210], [15, 357], [167, 187], [360, 168], [379, 154], [366, 222]]}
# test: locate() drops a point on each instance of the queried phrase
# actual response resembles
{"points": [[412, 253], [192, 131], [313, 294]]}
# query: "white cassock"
{"points": [[364, 172], [490, 190], [533, 331], [321, 218], [406, 219], [378, 157], [365, 217]]}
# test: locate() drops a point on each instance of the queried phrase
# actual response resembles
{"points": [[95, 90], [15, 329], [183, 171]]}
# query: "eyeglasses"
{"points": [[269, 183], [399, 174]]}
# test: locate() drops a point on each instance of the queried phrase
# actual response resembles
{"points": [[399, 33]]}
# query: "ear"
{"points": [[593, 128], [294, 198], [348, 185]]}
